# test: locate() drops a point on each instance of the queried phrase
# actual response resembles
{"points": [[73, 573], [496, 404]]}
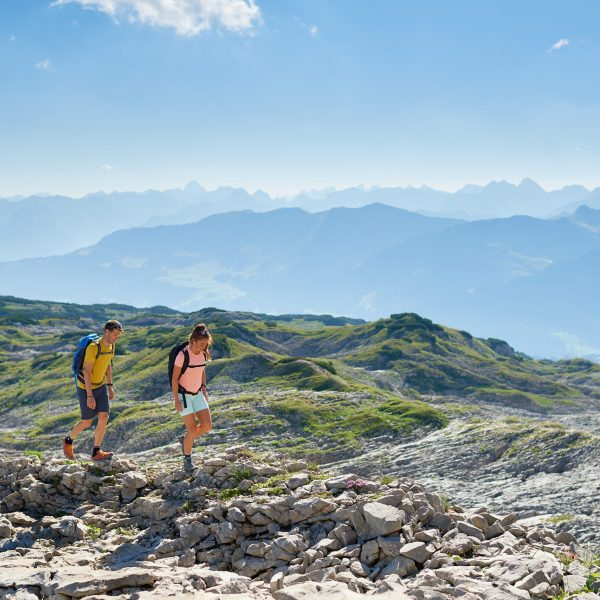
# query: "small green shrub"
{"points": [[229, 493], [240, 473], [127, 531], [93, 532]]}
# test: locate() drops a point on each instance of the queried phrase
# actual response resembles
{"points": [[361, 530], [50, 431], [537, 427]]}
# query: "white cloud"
{"points": [[108, 167], [44, 65], [558, 45], [130, 262], [12, 38], [367, 302], [314, 30], [187, 17]]}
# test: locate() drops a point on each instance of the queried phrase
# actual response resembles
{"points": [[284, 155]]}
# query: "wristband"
{"points": [[109, 384], [203, 388]]}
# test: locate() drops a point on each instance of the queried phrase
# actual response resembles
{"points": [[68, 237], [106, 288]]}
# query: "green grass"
{"points": [[93, 532], [306, 384], [228, 494], [555, 519], [37, 453], [344, 423], [126, 531], [274, 486], [239, 474]]}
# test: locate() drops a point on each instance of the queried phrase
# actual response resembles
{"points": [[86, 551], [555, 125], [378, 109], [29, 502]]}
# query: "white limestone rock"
{"points": [[382, 519]]}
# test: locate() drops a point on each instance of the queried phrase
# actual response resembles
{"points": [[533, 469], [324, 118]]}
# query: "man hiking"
{"points": [[95, 389]]}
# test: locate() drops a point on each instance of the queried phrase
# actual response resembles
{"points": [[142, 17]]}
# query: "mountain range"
{"points": [[534, 282], [45, 225]]}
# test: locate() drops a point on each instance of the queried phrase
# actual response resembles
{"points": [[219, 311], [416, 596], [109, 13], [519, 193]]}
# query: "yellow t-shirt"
{"points": [[101, 363]]}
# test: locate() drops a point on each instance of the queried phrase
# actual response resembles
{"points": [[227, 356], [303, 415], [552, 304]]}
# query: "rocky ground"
{"points": [[246, 525], [545, 467]]}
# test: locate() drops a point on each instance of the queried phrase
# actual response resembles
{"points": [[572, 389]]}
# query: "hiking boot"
{"points": [[188, 466], [101, 455], [68, 450]]}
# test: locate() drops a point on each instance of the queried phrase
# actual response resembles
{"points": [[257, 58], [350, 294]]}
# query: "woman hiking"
{"points": [[190, 395]]}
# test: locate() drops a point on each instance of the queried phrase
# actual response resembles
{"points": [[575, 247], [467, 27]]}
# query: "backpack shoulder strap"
{"points": [[186, 359], [98, 349]]}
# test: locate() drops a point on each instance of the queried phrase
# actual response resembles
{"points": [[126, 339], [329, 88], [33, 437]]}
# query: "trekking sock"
{"points": [[68, 440], [95, 450], [187, 456]]}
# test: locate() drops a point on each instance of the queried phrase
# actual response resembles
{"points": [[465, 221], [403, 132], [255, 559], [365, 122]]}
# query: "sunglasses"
{"points": [[114, 326]]}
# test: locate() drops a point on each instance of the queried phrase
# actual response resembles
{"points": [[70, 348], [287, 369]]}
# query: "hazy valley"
{"points": [[534, 282]]}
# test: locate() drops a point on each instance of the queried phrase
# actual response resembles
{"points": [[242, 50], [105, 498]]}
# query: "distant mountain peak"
{"points": [[470, 188], [530, 184], [193, 186], [261, 195], [502, 184]]}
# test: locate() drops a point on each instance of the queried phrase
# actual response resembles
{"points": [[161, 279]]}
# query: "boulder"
{"points": [[382, 519], [6, 528], [416, 551]]}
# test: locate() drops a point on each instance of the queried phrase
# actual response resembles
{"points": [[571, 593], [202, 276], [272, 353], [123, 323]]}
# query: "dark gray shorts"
{"points": [[101, 397]]}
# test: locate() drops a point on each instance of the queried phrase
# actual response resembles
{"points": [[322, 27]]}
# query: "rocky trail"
{"points": [[249, 525]]}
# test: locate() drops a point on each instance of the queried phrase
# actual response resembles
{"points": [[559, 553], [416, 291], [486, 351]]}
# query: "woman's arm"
{"points": [[203, 386], [175, 387]]}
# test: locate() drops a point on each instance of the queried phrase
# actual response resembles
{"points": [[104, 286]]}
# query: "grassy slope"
{"points": [[309, 386]]}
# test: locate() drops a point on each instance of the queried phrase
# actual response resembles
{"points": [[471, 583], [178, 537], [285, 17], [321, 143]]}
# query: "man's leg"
{"points": [[87, 416], [68, 441], [101, 397], [100, 429], [97, 452], [82, 425]]}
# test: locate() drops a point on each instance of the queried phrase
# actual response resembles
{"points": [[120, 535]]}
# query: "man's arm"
{"points": [[87, 380], [109, 383]]}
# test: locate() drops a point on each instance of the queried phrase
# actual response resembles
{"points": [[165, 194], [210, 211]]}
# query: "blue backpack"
{"points": [[79, 355]]}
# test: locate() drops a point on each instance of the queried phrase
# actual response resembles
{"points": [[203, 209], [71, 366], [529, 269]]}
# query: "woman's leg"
{"points": [[190, 433], [204, 422]]}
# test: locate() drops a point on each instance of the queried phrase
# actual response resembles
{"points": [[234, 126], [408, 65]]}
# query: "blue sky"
{"points": [[285, 95]]}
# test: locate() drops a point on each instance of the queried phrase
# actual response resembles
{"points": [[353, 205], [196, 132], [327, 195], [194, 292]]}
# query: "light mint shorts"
{"points": [[192, 404]]}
